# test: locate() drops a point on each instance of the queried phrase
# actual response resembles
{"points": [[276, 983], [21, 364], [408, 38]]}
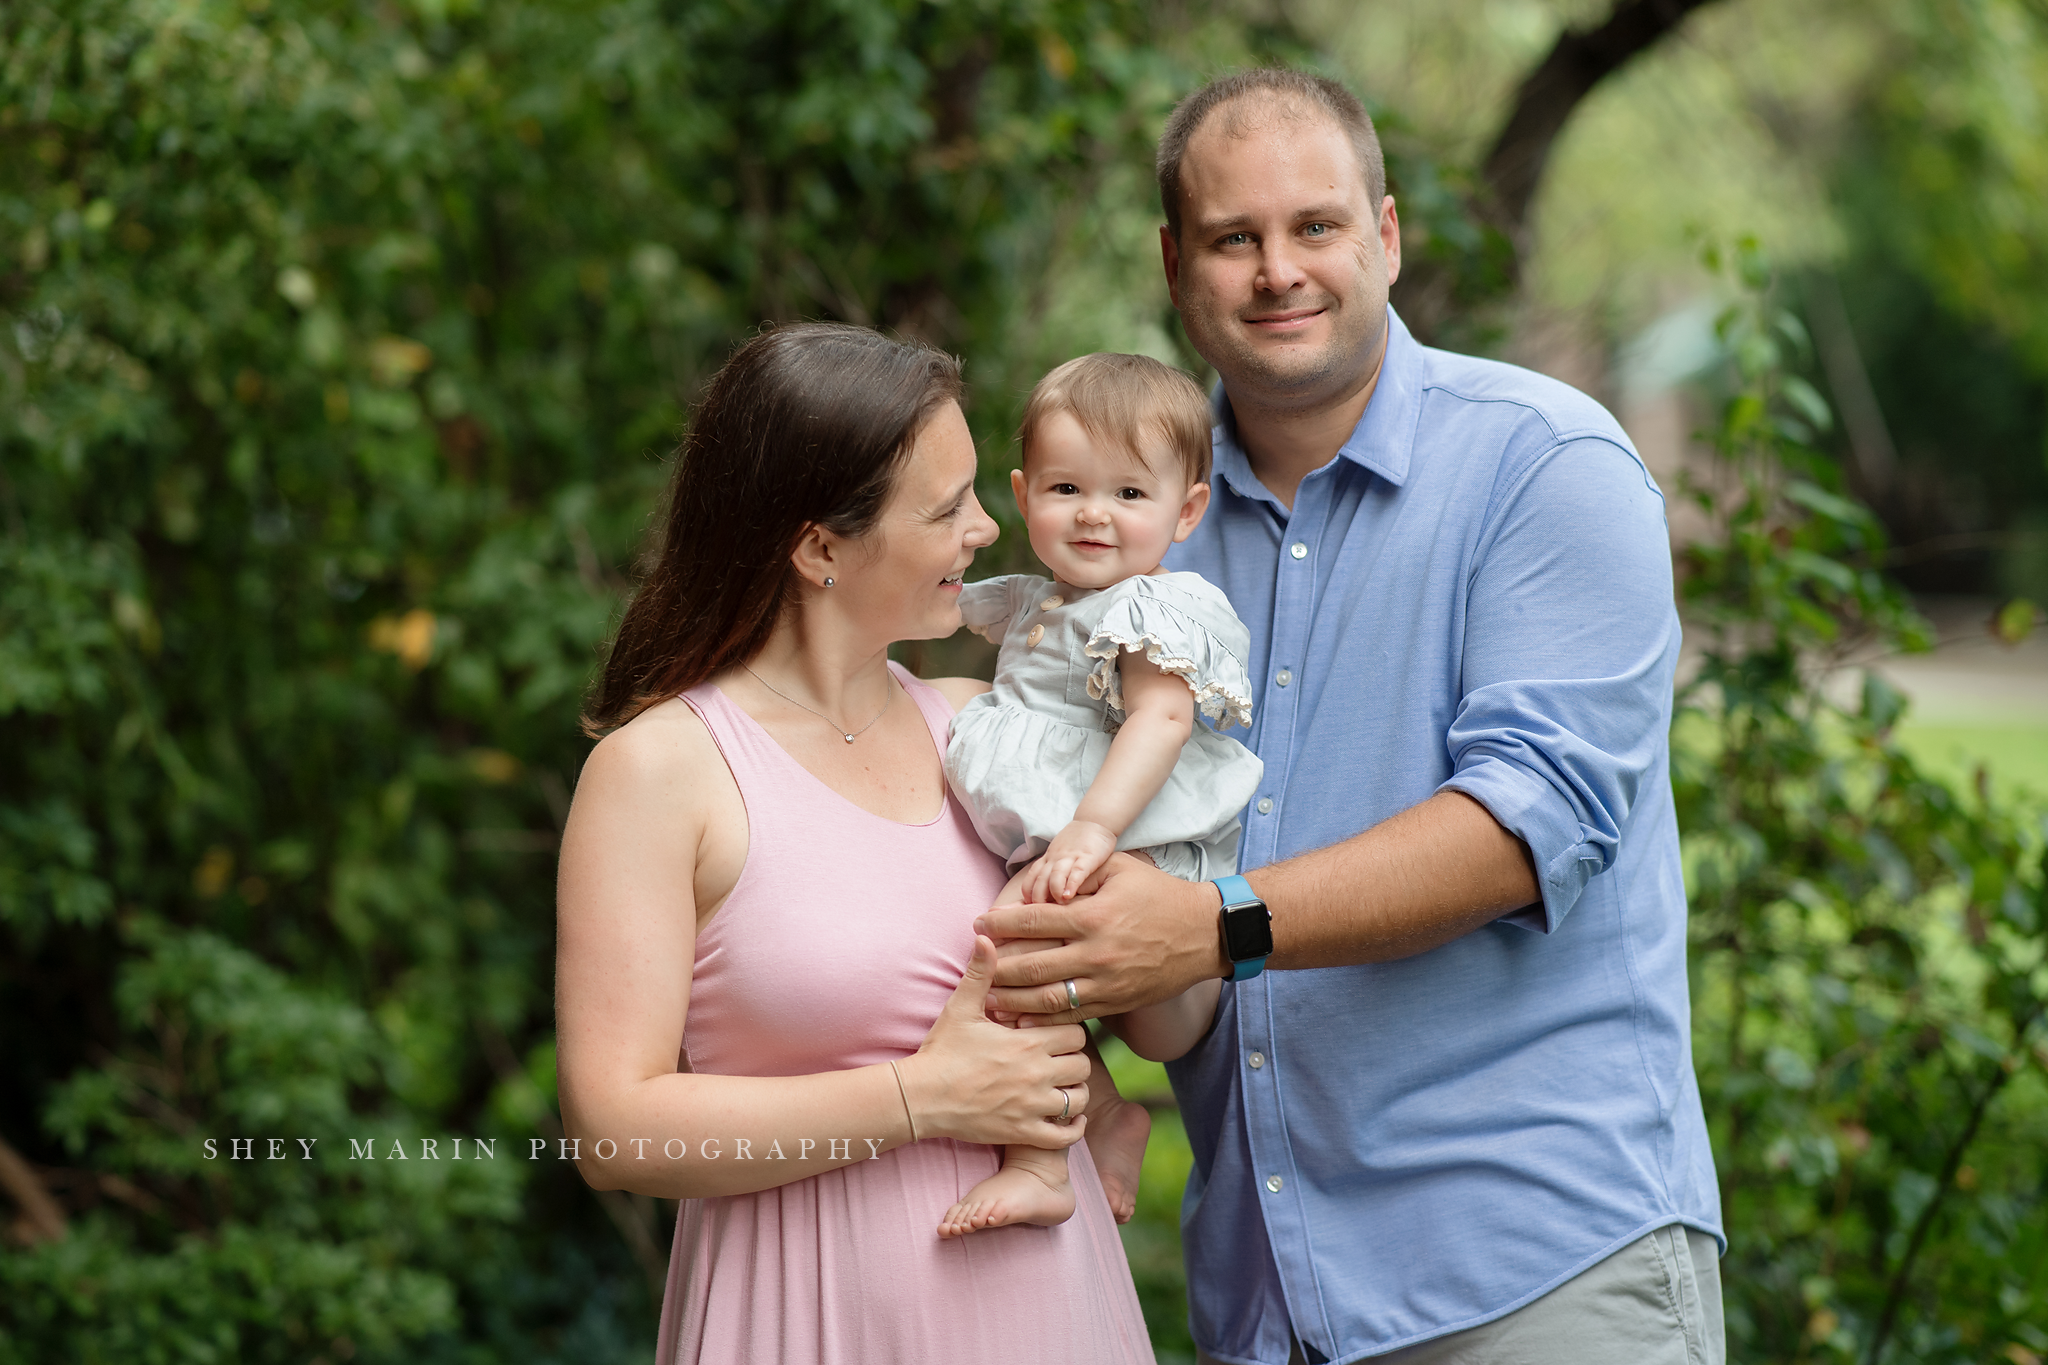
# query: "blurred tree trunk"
{"points": [[1577, 62], [1508, 178]]}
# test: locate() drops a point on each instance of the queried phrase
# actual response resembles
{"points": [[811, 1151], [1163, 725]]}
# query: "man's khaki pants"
{"points": [[1657, 1301]]}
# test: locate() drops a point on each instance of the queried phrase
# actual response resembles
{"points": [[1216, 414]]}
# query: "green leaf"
{"points": [[2014, 621], [1837, 575], [1814, 498], [1883, 704], [1806, 400]]}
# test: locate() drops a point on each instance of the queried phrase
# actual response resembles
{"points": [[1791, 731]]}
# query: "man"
{"points": [[1455, 1118]]}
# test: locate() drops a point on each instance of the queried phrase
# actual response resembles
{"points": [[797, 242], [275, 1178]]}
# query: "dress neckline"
{"points": [[904, 679]]}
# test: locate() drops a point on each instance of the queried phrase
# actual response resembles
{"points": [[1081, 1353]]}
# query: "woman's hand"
{"points": [[1075, 854], [977, 1081]]}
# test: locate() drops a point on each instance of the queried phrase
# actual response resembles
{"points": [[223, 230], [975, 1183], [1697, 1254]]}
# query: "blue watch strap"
{"points": [[1235, 891]]}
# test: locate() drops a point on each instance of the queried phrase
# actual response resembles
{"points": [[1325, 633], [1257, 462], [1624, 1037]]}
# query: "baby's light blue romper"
{"points": [[1022, 756]]}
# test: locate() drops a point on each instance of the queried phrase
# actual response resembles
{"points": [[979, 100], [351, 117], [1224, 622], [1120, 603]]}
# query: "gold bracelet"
{"points": [[906, 1100]]}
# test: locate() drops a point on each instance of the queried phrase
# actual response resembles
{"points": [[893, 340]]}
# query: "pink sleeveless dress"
{"points": [[844, 937]]}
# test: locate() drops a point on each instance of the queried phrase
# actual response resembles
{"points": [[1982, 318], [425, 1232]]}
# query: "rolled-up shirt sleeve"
{"points": [[1570, 641]]}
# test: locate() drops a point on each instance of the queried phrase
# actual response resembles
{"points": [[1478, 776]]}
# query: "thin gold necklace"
{"points": [[843, 734]]}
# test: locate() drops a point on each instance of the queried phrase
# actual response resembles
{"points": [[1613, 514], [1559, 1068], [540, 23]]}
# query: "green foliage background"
{"points": [[1870, 946], [343, 346]]}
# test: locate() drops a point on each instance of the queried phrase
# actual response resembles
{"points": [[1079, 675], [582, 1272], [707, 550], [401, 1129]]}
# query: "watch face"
{"points": [[1247, 931]]}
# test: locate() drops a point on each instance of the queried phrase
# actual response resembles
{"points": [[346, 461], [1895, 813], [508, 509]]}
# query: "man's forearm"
{"points": [[1423, 878], [1433, 873]]}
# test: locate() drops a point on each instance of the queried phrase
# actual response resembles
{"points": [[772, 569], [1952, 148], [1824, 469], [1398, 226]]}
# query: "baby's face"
{"points": [[1094, 516]]}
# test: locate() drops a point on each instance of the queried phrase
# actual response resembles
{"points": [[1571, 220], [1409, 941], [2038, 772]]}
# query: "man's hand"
{"points": [[1434, 872], [1140, 938]]}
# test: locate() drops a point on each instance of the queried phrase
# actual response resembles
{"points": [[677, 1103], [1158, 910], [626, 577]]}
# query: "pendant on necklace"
{"points": [[849, 739]]}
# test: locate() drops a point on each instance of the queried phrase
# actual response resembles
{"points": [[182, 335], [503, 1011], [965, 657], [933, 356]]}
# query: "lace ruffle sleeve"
{"points": [[1185, 627], [986, 607]]}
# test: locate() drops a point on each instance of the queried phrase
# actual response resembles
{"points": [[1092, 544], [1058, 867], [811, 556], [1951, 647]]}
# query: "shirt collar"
{"points": [[1383, 439]]}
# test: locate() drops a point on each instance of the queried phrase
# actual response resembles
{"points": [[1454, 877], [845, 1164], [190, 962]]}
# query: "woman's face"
{"points": [[926, 538]]}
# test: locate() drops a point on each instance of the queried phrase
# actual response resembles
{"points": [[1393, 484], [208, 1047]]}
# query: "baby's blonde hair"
{"points": [[1118, 399]]}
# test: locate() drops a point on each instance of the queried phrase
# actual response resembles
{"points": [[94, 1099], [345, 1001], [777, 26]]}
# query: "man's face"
{"points": [[1283, 263]]}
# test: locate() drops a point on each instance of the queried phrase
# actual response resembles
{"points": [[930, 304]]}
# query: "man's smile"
{"points": [[1284, 322]]}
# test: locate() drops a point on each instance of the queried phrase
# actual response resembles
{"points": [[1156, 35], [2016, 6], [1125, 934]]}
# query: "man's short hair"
{"points": [[1119, 400], [1297, 92]]}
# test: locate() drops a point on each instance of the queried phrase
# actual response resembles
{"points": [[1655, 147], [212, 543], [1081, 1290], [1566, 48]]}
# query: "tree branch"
{"points": [[42, 1219], [1580, 60], [1895, 1294]]}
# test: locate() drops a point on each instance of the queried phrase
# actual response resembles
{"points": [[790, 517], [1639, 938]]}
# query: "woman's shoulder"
{"points": [[663, 745], [656, 794]]}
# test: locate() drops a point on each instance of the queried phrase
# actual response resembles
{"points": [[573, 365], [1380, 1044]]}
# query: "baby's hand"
{"points": [[1074, 856]]}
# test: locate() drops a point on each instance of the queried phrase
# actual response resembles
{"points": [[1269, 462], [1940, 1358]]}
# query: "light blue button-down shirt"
{"points": [[1475, 594]]}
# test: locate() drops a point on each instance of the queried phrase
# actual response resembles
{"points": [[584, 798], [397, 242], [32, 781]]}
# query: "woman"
{"points": [[764, 845]]}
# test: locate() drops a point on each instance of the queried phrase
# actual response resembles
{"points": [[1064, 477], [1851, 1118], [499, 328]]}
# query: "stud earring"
{"points": [[828, 582]]}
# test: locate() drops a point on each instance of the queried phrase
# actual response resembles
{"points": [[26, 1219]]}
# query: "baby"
{"points": [[1089, 741]]}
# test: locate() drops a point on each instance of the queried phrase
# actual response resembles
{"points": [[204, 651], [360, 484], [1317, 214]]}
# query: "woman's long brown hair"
{"points": [[807, 425]]}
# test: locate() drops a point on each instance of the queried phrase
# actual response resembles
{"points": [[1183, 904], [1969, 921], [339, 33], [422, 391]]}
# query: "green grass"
{"points": [[2014, 753], [1152, 1238]]}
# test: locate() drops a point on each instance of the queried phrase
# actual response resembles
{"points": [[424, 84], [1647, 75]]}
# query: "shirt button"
{"points": [[1049, 603], [1284, 677], [1037, 634], [1273, 1183], [1257, 1060], [1298, 550], [1265, 805]]}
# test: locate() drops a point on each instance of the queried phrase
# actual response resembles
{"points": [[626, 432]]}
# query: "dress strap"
{"points": [[931, 703], [743, 745]]}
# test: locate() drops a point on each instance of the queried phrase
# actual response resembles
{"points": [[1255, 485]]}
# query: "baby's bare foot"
{"points": [[1014, 1194], [1117, 1133]]}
